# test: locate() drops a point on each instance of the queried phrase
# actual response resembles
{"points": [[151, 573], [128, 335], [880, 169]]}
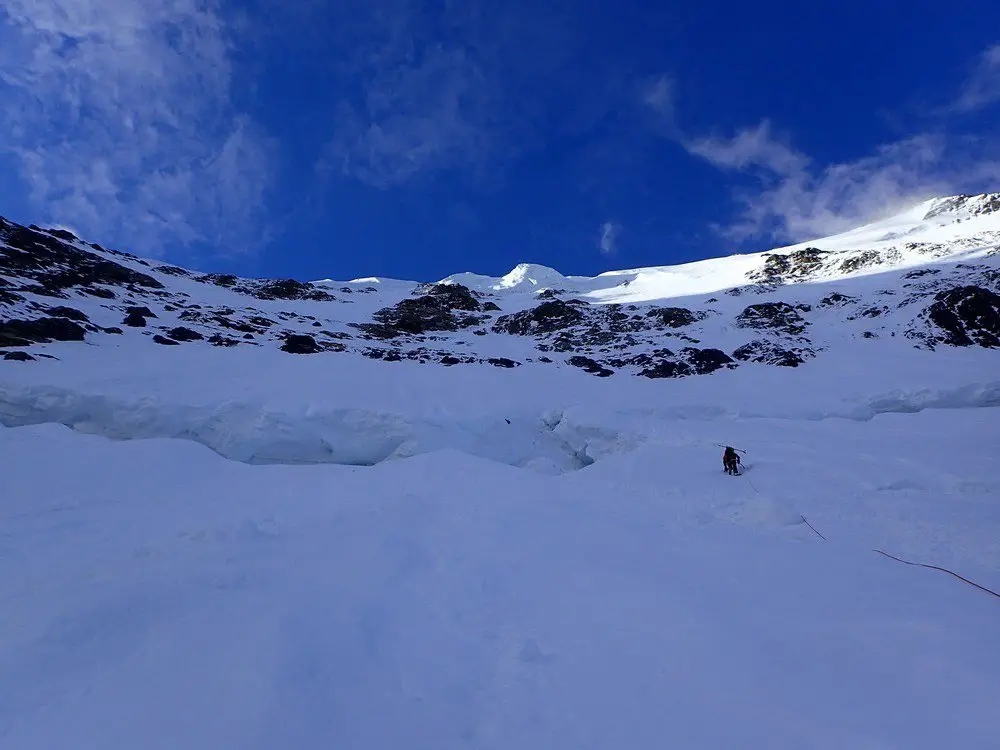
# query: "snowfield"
{"points": [[583, 577], [158, 595], [231, 546]]}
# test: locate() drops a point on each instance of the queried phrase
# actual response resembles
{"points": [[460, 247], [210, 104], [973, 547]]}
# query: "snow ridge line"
{"points": [[551, 443]]}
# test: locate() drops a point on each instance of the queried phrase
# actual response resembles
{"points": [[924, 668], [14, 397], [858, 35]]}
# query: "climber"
{"points": [[731, 461]]}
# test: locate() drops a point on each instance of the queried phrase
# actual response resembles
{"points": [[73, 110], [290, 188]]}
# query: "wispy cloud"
{"points": [[795, 203], [608, 240], [658, 95], [786, 196], [416, 116], [983, 85], [464, 88], [119, 114], [752, 148]]}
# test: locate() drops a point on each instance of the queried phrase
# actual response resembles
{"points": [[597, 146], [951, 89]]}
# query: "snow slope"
{"points": [[444, 538], [962, 225], [446, 601]]}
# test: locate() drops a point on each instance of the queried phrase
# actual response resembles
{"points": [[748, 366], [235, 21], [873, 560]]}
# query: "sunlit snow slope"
{"points": [[491, 512]]}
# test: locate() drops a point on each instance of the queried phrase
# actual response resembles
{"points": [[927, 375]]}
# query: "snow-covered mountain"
{"points": [[490, 512], [929, 276]]}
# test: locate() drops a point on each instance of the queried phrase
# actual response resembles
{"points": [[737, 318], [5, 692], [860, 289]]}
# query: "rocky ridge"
{"points": [[791, 306]]}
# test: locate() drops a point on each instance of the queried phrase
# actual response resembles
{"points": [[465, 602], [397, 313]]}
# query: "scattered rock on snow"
{"points": [[72, 313], [674, 317], [134, 320], [444, 307], [503, 362], [548, 317], [588, 365], [180, 333], [769, 353], [300, 343], [776, 316]]}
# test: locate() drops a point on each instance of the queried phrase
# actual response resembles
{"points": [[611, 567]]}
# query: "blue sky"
{"points": [[417, 139]]}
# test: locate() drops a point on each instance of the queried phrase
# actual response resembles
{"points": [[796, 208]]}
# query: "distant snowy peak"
{"points": [[523, 277], [952, 228], [532, 275], [948, 228]]}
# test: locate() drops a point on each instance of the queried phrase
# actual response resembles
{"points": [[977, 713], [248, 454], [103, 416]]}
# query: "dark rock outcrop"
{"points": [[164, 340], [860, 261], [172, 271], [41, 331], [769, 353], [548, 317], [444, 307], [134, 320], [871, 311], [837, 300], [286, 289], [54, 264], [921, 272], [217, 339], [761, 288], [673, 317], [667, 368], [297, 343], [966, 316], [180, 333], [18, 357], [663, 363], [452, 296], [792, 266], [225, 280], [67, 312], [705, 361], [775, 316], [9, 298], [588, 365], [983, 205]]}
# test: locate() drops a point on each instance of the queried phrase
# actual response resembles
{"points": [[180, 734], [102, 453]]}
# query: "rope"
{"points": [[886, 554], [943, 570], [811, 527]]}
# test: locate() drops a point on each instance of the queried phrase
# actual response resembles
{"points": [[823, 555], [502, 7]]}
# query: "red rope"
{"points": [[943, 570]]}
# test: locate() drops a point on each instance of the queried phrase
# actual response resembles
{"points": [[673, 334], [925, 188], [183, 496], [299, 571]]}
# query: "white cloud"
{"points": [[751, 148], [786, 196], [464, 88], [608, 241], [658, 95], [840, 196], [790, 201], [983, 85], [119, 114], [417, 115]]}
